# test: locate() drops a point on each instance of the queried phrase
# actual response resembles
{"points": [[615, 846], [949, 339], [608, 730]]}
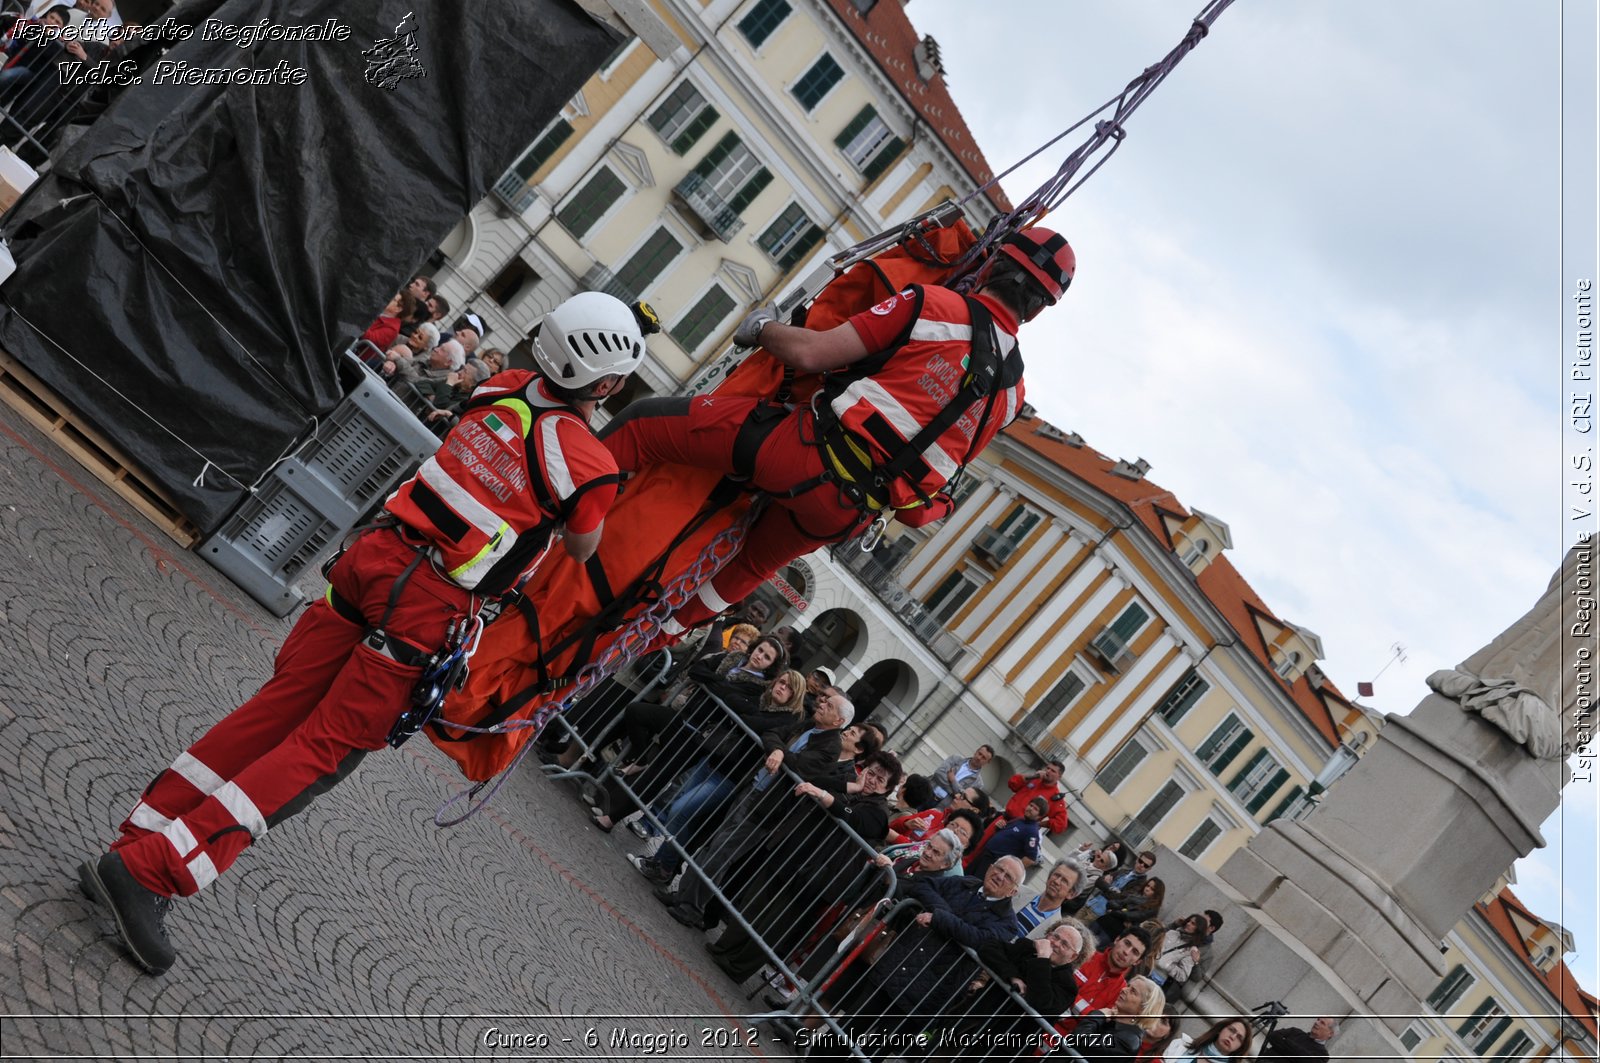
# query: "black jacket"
{"points": [[1292, 1043], [926, 963], [1051, 988], [1101, 1036]]}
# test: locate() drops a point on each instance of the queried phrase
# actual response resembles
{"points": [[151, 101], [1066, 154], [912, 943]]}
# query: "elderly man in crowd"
{"points": [[926, 967], [956, 772], [1092, 864]]}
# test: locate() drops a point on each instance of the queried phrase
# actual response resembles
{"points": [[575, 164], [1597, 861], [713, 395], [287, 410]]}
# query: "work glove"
{"points": [[748, 334]]}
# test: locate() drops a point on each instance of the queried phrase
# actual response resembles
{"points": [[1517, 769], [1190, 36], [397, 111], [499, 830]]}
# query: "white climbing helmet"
{"points": [[588, 337]]}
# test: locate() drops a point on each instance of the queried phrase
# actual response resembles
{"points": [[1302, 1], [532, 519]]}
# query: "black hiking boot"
{"points": [[140, 913]]}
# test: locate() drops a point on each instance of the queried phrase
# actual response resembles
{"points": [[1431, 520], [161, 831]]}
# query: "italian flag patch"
{"points": [[500, 428]]}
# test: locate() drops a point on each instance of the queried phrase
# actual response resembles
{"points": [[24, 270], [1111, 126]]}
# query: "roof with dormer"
{"points": [[1222, 584], [889, 37], [1501, 914]]}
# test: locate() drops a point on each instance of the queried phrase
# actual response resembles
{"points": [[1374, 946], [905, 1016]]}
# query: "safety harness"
{"points": [[848, 459]]}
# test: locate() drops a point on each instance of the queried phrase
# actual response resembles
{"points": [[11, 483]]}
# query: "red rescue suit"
{"points": [[475, 517], [922, 337]]}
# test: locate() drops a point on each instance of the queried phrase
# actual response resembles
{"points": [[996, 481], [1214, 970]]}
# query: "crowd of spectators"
{"points": [[764, 807], [432, 363], [45, 43]]}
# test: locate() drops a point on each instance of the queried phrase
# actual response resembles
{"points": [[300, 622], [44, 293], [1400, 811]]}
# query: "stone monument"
{"points": [[1344, 912]]}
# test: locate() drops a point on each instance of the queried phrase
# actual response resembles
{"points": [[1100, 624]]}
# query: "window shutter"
{"points": [[1449, 989], [1493, 1034], [752, 188], [1260, 799], [1131, 620], [592, 200], [1515, 1049], [1472, 1020], [884, 159], [1190, 689], [855, 125], [543, 148], [695, 129], [1289, 799], [801, 248], [1234, 750], [1223, 733], [720, 151]]}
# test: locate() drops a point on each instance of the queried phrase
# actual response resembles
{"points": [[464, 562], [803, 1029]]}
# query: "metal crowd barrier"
{"points": [[798, 889], [963, 1010], [34, 106]]}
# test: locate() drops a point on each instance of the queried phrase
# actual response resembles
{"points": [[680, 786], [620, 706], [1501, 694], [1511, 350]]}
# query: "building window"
{"points": [[764, 17], [590, 203], [962, 488], [511, 283], [1515, 1049], [683, 117], [1208, 831], [1181, 698], [1224, 744], [1112, 643], [1051, 705], [868, 143], [951, 595], [1485, 1025], [648, 262], [816, 83], [1412, 1036], [1194, 553], [791, 237], [1122, 765], [1018, 523], [733, 172], [1258, 780], [1285, 664], [1151, 815], [703, 318], [555, 135], [1450, 990]]}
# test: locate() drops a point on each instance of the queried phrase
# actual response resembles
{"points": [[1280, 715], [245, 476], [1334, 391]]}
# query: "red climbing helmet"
{"points": [[1046, 255]]}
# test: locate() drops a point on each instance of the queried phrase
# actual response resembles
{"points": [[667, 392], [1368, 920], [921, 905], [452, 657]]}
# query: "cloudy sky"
{"points": [[1319, 290]]}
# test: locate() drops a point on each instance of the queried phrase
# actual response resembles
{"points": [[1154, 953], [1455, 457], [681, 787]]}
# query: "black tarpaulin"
{"points": [[189, 273]]}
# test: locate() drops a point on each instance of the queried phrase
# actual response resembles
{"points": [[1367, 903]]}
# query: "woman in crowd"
{"points": [[1179, 951], [1226, 1040], [739, 680], [714, 777], [1123, 912], [1117, 1033], [1161, 1038]]}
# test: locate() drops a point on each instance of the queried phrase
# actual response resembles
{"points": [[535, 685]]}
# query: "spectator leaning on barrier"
{"points": [[465, 528], [1040, 969], [812, 862], [925, 966]]}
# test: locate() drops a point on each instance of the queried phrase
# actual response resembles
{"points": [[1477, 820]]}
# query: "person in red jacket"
{"points": [[1045, 784], [521, 467], [916, 387], [1104, 975], [385, 331]]}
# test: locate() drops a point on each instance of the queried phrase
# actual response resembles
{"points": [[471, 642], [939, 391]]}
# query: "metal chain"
{"points": [[634, 641]]}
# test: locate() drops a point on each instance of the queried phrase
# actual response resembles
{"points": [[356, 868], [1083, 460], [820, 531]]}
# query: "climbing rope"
{"points": [[633, 643], [1107, 136]]}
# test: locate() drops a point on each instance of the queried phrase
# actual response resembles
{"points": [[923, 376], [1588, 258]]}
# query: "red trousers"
{"points": [[701, 431], [332, 698]]}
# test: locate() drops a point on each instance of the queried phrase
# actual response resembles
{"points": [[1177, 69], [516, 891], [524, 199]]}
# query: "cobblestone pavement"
{"points": [[357, 929]]}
